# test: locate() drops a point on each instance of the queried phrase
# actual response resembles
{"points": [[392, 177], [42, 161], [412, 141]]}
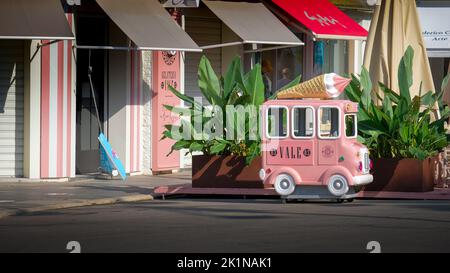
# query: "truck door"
{"points": [[329, 130], [303, 133]]}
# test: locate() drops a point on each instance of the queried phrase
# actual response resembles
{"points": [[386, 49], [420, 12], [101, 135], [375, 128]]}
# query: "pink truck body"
{"points": [[315, 146]]}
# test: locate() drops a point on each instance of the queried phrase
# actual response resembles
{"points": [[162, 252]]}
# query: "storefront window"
{"points": [[440, 67], [330, 56], [288, 65], [279, 67]]}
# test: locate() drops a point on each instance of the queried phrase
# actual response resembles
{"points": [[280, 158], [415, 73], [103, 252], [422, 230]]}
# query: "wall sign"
{"points": [[180, 3], [435, 27], [166, 71]]}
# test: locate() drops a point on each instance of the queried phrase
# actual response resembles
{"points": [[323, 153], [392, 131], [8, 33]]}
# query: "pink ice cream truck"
{"points": [[309, 146]]}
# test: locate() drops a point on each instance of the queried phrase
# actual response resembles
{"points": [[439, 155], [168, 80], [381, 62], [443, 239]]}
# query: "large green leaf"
{"points": [[387, 107], [428, 99], [366, 84], [405, 74], [209, 83], [182, 111], [440, 94], [370, 127], [404, 133], [196, 146], [352, 91], [232, 77], [181, 144], [394, 97], [255, 86], [418, 153], [185, 98], [218, 147]]}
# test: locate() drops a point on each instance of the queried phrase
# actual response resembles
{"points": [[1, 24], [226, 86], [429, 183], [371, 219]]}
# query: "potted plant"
{"points": [[400, 131], [229, 143]]}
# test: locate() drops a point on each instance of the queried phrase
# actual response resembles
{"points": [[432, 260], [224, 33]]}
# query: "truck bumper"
{"points": [[360, 180]]}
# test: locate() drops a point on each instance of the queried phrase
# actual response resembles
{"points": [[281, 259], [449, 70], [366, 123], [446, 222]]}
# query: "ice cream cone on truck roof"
{"points": [[325, 86]]}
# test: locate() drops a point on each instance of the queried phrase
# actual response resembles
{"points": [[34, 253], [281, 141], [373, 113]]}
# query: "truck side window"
{"points": [[303, 122], [329, 122], [350, 126], [277, 122]]}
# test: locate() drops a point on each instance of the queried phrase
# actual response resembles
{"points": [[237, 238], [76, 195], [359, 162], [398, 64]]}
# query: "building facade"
{"points": [[102, 71]]}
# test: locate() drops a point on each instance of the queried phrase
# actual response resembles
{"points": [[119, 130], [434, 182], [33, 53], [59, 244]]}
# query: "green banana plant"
{"points": [[395, 125], [234, 88]]}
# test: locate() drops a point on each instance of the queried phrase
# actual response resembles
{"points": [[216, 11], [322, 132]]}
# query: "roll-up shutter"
{"points": [[11, 108], [204, 31]]}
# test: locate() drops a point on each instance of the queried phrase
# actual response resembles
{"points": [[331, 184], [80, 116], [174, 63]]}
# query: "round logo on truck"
{"points": [[273, 152]]}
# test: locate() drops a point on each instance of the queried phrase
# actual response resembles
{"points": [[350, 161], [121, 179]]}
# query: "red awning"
{"points": [[323, 19]]}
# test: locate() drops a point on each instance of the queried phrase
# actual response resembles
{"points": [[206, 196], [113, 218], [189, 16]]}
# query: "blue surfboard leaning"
{"points": [[112, 156]]}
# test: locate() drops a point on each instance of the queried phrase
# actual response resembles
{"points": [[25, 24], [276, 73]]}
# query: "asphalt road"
{"points": [[224, 225]]}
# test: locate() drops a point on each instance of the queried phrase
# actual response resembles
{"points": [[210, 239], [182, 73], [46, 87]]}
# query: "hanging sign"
{"points": [[435, 27]]}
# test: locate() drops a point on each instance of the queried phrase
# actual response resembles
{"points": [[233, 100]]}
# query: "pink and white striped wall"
{"points": [[57, 109], [135, 107]]}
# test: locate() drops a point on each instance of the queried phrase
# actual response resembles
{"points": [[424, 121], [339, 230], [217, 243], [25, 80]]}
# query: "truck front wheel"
{"points": [[284, 184], [338, 185]]}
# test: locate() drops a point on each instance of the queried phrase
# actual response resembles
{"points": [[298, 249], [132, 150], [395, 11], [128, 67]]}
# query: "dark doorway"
{"points": [[91, 29]]}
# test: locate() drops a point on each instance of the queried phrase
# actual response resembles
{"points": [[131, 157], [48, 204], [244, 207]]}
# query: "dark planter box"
{"points": [[225, 172], [402, 175]]}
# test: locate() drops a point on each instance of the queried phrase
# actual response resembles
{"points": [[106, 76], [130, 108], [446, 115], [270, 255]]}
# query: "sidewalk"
{"points": [[18, 198]]}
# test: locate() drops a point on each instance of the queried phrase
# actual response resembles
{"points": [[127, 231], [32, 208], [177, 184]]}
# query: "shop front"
{"points": [[25, 103], [57, 93], [333, 40], [436, 34], [137, 58]]}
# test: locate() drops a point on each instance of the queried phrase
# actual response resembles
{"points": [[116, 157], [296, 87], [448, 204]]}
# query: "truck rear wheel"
{"points": [[338, 185], [284, 184]]}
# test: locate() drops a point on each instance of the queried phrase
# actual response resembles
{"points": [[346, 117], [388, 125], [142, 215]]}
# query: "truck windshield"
{"points": [[350, 126]]}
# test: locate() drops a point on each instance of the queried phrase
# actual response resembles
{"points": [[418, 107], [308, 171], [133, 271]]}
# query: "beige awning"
{"points": [[148, 25], [33, 20], [395, 26], [253, 23]]}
